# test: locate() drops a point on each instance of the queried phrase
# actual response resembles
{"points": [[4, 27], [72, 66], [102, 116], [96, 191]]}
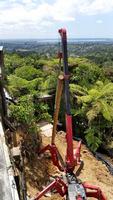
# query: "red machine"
{"points": [[69, 185]]}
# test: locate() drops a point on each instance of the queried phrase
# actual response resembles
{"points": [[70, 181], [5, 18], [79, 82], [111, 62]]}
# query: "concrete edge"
{"points": [[9, 166]]}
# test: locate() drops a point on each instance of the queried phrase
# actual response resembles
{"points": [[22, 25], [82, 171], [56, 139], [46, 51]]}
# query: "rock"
{"points": [[85, 151]]}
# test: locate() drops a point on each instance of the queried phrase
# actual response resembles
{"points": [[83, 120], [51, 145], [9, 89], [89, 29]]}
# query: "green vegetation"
{"points": [[31, 76], [95, 107], [26, 82], [85, 72]]}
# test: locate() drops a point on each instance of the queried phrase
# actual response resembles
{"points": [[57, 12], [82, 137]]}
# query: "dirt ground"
{"points": [[93, 172]]}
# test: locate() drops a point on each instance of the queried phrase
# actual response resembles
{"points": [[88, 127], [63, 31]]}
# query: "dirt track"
{"points": [[94, 172]]}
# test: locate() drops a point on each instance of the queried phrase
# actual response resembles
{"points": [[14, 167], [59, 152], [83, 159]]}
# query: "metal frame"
{"points": [[70, 186]]}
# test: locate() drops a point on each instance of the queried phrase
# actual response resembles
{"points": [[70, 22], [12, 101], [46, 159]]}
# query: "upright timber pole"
{"points": [[57, 106], [3, 107]]}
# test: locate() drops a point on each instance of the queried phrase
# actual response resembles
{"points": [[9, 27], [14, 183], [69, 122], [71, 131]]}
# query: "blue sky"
{"points": [[42, 18]]}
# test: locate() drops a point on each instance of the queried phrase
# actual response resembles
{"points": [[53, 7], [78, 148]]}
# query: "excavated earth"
{"points": [[42, 171]]}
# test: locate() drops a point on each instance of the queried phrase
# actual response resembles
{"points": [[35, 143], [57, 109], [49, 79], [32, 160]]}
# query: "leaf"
{"points": [[107, 89], [94, 93], [91, 115], [77, 89], [77, 112], [85, 99], [106, 110], [93, 112], [93, 138], [99, 84]]}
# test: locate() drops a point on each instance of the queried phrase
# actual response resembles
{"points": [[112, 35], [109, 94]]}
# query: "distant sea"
{"points": [[75, 40], [12, 45]]}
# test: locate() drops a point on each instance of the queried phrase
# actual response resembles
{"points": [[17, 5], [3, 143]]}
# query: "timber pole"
{"points": [[3, 107], [57, 106]]}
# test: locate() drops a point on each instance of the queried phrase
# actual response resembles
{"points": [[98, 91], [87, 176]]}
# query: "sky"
{"points": [[42, 18]]}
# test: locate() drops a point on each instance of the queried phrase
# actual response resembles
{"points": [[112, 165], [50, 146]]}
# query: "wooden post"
{"points": [[3, 107], [57, 106], [1, 63]]}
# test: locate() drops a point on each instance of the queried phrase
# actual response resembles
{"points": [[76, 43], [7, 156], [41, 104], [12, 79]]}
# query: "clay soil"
{"points": [[94, 172]]}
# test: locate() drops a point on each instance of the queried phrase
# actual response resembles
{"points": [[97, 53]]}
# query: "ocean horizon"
{"points": [[56, 40]]}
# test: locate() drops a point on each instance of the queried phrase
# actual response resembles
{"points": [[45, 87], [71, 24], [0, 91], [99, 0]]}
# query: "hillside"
{"points": [[31, 82], [94, 172]]}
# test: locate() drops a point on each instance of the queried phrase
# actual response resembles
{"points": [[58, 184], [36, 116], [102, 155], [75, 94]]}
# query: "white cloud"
{"points": [[27, 1], [97, 6], [33, 13], [60, 10]]}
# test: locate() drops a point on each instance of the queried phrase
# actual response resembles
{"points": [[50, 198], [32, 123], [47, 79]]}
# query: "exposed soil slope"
{"points": [[94, 172]]}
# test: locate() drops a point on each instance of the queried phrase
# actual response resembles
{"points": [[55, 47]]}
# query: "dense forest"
{"points": [[31, 77]]}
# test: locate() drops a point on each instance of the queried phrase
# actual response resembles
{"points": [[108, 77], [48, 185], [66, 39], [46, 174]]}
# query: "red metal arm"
{"points": [[72, 158], [61, 188], [80, 190], [69, 156], [69, 135], [63, 34], [57, 184], [94, 192], [54, 153]]}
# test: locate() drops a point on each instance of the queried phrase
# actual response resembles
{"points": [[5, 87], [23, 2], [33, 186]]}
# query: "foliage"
{"points": [[12, 61], [27, 72], [95, 105], [86, 73], [17, 86], [23, 111], [48, 83], [42, 111], [31, 75], [93, 137]]}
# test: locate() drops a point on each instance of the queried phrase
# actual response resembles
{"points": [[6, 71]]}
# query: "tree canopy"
{"points": [[31, 76]]}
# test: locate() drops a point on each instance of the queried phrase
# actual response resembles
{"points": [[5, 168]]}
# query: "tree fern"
{"points": [[93, 138], [93, 112], [96, 104], [106, 110], [77, 89]]}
